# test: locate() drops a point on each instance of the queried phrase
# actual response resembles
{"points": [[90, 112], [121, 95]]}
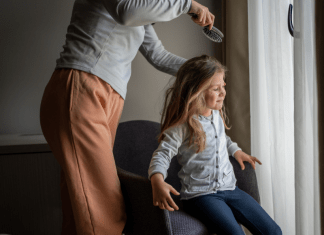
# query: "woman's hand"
{"points": [[241, 157], [161, 193], [204, 16]]}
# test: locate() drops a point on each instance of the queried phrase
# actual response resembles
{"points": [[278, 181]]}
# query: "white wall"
{"points": [[32, 33]]}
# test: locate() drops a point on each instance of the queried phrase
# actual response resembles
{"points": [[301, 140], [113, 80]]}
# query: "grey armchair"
{"points": [[135, 142]]}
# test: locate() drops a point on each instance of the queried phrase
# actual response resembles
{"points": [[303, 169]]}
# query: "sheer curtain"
{"points": [[283, 113], [306, 120]]}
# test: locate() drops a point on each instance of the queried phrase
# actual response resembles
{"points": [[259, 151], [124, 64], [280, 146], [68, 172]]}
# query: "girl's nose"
{"points": [[222, 92]]}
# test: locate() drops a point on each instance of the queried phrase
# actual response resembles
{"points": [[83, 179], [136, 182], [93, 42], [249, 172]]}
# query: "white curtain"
{"points": [[283, 130], [306, 120]]}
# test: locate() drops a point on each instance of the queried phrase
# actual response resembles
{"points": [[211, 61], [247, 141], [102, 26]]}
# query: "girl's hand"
{"points": [[161, 193], [204, 16], [241, 157]]}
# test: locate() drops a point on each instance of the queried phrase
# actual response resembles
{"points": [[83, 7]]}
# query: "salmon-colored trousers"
{"points": [[79, 115]]}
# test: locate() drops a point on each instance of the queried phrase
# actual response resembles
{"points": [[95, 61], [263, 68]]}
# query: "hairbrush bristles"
{"points": [[214, 34]]}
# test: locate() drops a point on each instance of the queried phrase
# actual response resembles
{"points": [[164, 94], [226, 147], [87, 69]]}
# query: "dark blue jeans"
{"points": [[222, 211]]}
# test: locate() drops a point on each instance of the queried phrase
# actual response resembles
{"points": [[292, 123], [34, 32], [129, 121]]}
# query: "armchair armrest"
{"points": [[246, 179], [142, 217]]}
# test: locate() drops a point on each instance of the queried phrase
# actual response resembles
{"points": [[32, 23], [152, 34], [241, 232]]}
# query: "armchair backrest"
{"points": [[134, 145]]}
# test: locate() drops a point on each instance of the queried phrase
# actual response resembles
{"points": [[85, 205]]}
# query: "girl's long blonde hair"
{"points": [[185, 100]]}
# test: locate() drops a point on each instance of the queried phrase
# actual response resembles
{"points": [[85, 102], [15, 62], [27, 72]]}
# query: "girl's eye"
{"points": [[216, 89]]}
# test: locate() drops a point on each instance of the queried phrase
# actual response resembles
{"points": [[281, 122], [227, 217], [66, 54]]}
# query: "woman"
{"points": [[83, 101]]}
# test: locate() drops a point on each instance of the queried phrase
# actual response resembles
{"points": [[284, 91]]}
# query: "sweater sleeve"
{"points": [[143, 12], [154, 52], [232, 147], [167, 149]]}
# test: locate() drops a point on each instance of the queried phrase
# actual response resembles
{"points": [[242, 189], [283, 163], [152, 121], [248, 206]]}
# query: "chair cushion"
{"points": [[135, 154], [184, 224]]}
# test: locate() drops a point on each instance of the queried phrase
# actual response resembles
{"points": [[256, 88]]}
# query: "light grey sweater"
{"points": [[104, 36], [201, 173]]}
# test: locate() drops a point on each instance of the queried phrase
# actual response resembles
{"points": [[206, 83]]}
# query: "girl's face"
{"points": [[215, 94]]}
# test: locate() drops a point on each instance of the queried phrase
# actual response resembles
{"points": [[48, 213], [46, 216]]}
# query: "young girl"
{"points": [[193, 126]]}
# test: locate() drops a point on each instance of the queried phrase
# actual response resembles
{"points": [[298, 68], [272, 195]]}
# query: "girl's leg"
{"points": [[248, 212], [213, 211], [79, 117]]}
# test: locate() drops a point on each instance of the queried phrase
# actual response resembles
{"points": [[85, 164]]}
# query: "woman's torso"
{"points": [[97, 44]]}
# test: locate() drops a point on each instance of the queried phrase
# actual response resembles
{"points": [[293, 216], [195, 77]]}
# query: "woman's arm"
{"points": [[143, 12], [154, 52]]}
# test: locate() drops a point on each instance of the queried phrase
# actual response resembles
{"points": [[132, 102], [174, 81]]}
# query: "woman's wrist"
{"points": [[190, 6], [195, 7]]}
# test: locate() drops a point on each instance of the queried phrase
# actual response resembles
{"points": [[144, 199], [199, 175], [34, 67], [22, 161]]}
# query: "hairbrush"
{"points": [[214, 34]]}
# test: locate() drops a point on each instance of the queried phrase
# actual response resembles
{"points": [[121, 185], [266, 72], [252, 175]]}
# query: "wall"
{"points": [[237, 82], [32, 34]]}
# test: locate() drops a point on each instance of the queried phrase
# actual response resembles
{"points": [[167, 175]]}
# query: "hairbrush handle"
{"points": [[193, 15]]}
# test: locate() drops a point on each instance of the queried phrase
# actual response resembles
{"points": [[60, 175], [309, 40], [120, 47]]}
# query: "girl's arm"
{"points": [[161, 193], [232, 147], [168, 148], [159, 165], [239, 155], [154, 52]]}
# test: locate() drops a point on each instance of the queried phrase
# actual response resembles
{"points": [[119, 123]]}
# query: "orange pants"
{"points": [[79, 115]]}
